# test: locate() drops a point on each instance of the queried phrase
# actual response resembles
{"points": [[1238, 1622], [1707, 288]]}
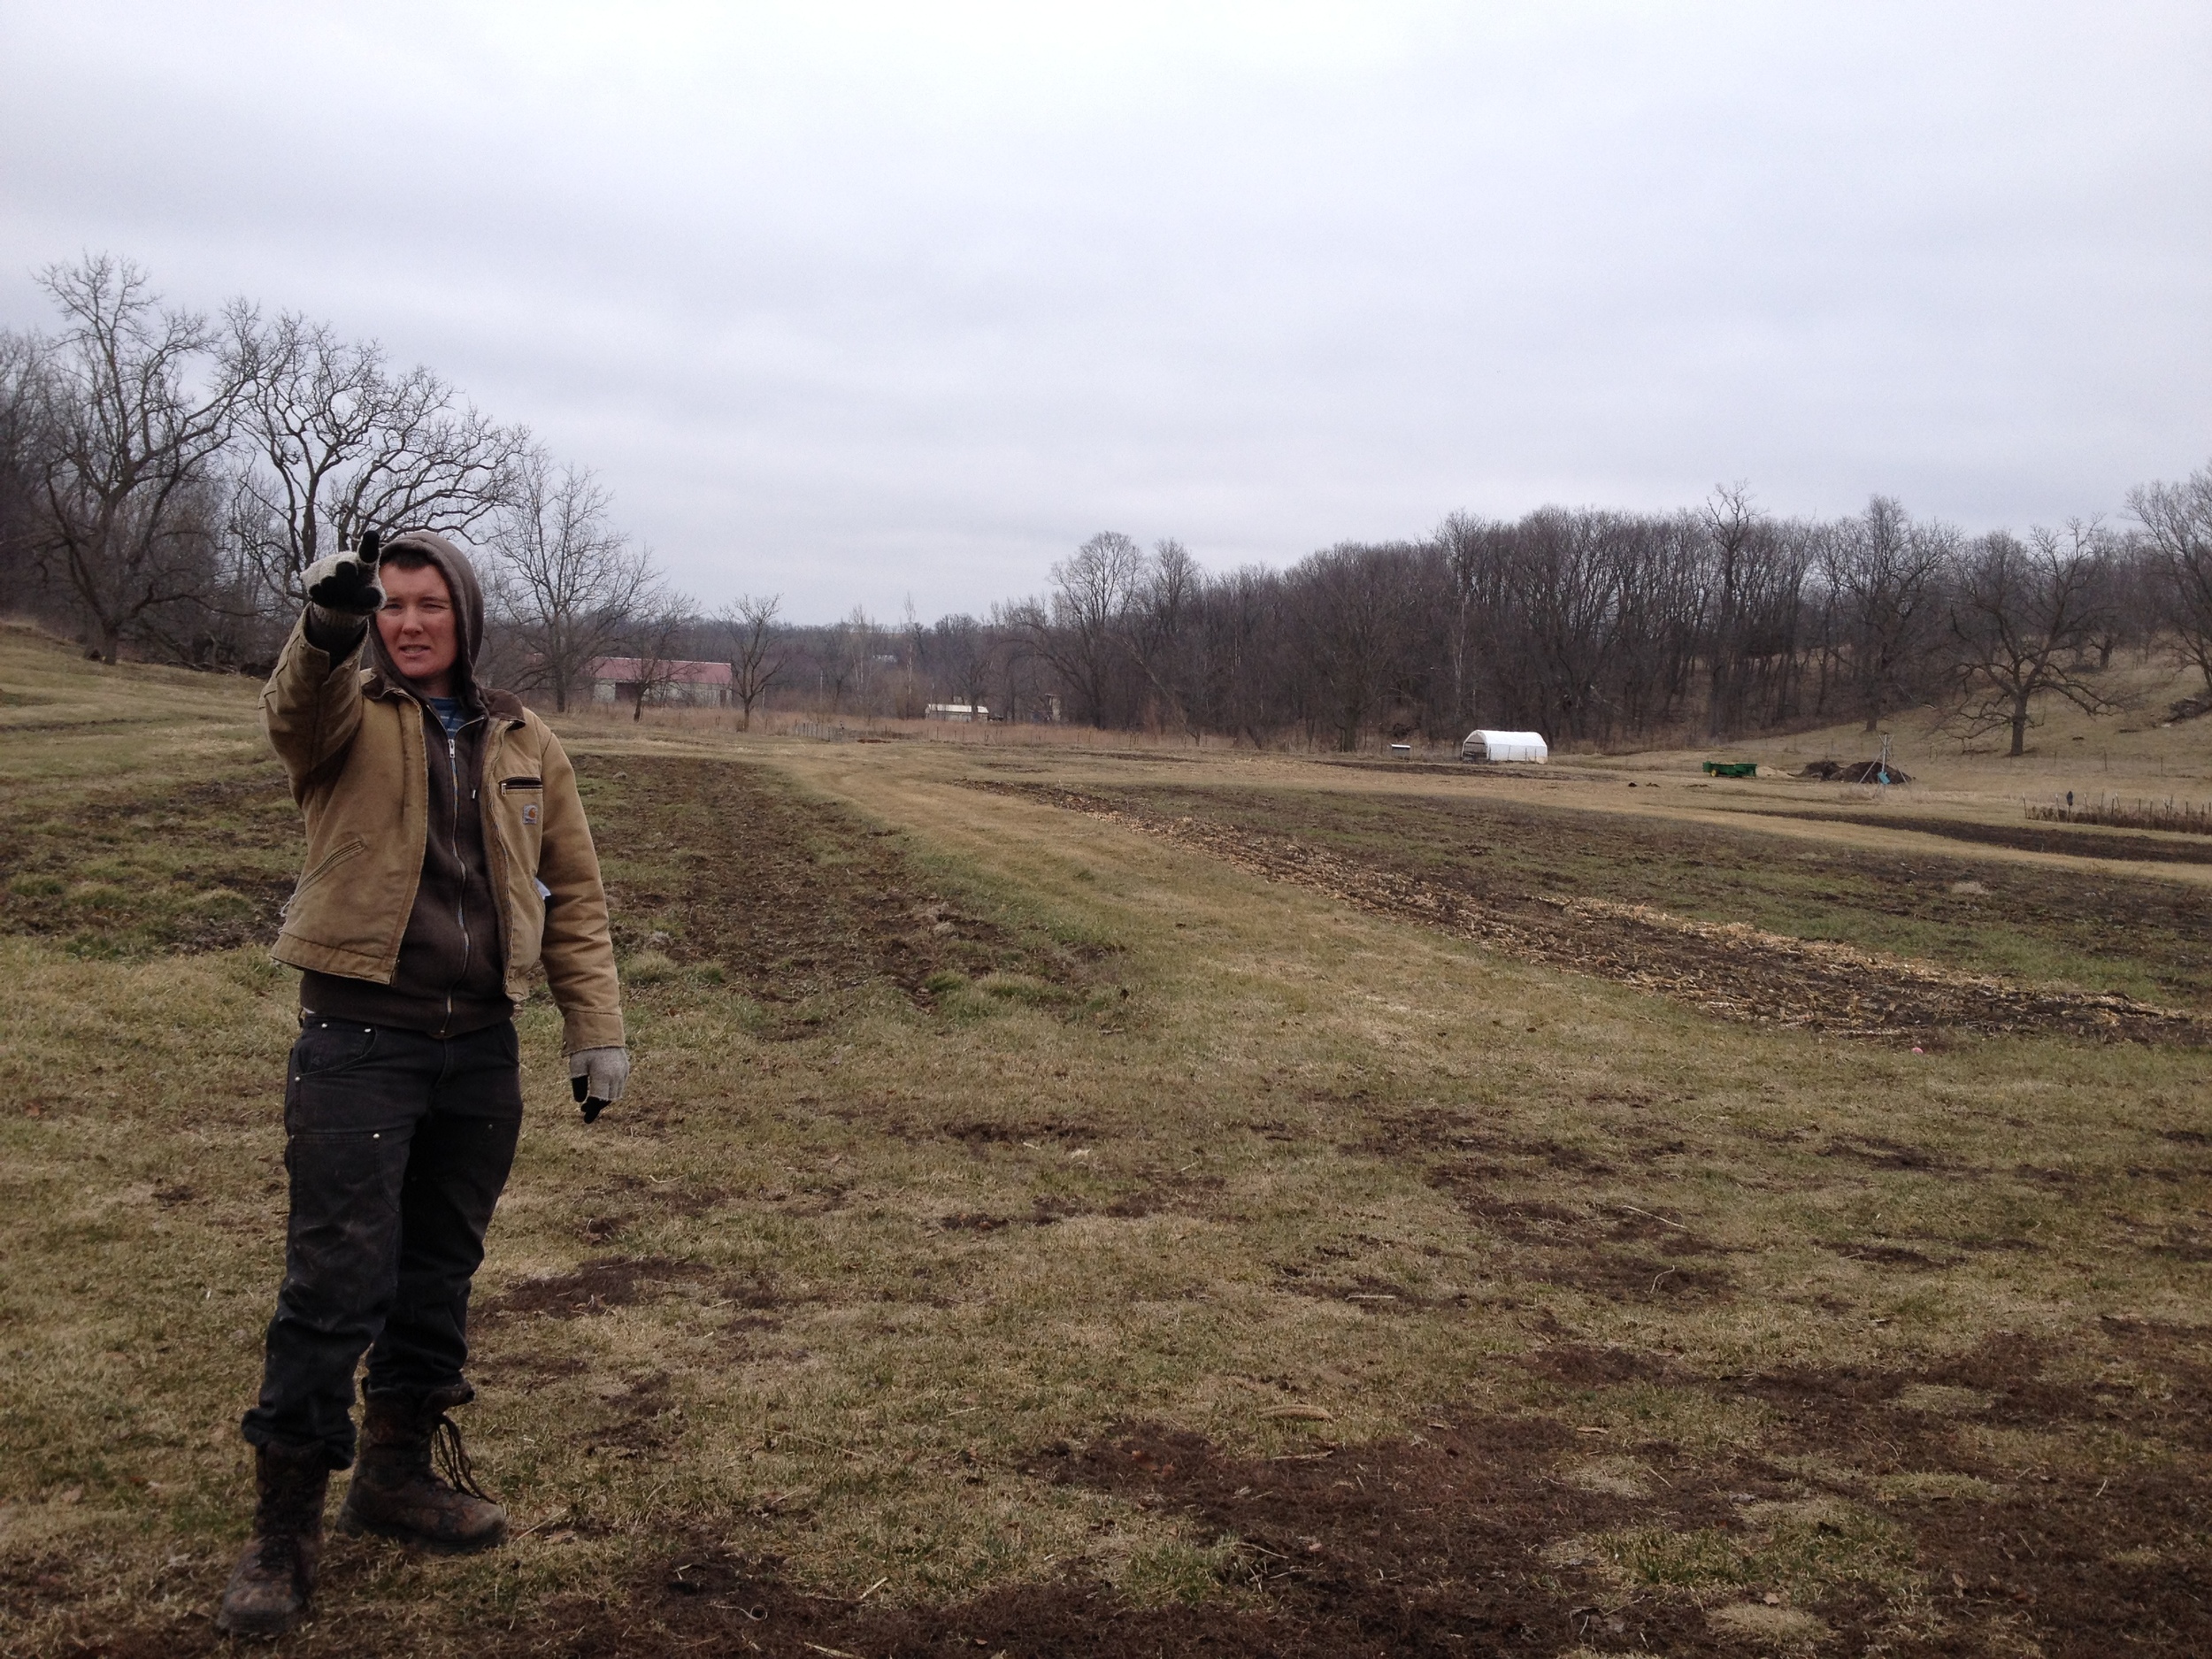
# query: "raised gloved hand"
{"points": [[342, 593], [597, 1078], [347, 583]]}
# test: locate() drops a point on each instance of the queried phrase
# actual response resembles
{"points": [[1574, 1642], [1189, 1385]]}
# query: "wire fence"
{"points": [[2185, 816]]}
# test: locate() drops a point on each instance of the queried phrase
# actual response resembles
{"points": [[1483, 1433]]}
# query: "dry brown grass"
{"points": [[978, 1296]]}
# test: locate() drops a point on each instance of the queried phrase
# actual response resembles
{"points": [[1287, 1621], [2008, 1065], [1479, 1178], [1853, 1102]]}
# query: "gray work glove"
{"points": [[342, 593], [597, 1078]]}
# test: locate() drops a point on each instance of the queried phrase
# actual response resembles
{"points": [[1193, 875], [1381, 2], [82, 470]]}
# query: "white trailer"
{"points": [[1487, 745]]}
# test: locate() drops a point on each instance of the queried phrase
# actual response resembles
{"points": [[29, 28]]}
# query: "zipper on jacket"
{"points": [[461, 903]]}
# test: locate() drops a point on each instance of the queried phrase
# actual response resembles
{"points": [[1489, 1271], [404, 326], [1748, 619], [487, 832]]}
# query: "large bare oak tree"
{"points": [[132, 407]]}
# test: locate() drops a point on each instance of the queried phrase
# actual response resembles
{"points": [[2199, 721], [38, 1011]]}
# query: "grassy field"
{"points": [[1118, 1200]]}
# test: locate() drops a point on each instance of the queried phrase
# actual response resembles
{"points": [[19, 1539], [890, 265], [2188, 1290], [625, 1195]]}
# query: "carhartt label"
{"points": [[530, 813]]}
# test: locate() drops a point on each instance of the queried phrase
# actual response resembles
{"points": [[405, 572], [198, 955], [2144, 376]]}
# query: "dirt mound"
{"points": [[1855, 771], [1729, 969], [2188, 709]]}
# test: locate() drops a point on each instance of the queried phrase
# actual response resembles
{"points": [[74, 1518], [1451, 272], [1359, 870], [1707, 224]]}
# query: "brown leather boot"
{"points": [[396, 1494], [268, 1592]]}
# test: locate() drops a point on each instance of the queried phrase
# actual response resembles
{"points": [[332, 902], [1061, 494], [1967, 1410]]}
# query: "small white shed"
{"points": [[1486, 745]]}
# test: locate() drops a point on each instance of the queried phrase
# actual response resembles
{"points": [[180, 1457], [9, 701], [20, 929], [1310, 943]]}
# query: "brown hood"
{"points": [[468, 611]]}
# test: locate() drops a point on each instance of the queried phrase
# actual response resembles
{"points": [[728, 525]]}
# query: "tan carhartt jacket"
{"points": [[352, 744]]}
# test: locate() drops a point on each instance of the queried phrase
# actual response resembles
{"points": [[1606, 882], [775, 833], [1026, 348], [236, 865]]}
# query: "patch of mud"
{"points": [[1868, 1410], [1370, 1295], [598, 1286], [1585, 1364], [1165, 1193], [1624, 1276], [637, 1416], [1879, 1154], [1033, 1132], [973, 1221], [1437, 1129], [1472, 1535], [29, 1583], [1731, 970], [1887, 1256], [1580, 1247]]}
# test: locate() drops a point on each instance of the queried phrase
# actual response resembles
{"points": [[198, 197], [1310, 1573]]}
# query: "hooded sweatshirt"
{"points": [[451, 973]]}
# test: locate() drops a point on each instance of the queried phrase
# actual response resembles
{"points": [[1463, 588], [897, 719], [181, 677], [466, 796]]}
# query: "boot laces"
{"points": [[453, 1458]]}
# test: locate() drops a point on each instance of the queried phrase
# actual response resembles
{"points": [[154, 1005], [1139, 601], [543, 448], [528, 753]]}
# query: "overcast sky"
{"points": [[854, 302]]}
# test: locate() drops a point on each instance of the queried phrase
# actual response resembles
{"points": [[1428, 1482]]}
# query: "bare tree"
{"points": [[1358, 611], [656, 636], [749, 627], [1244, 647], [957, 650], [1161, 628], [850, 664], [567, 583], [2178, 520], [339, 443], [132, 412], [18, 494], [1471, 549], [1013, 632], [2024, 625], [1091, 595], [1732, 526], [911, 699], [1883, 568]]}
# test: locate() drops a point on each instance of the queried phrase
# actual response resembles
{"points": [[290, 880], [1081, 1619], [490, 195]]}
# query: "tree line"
{"points": [[165, 479], [1591, 625]]}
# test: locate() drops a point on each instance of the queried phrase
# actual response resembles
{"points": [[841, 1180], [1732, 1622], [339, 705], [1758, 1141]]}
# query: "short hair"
{"points": [[408, 558]]}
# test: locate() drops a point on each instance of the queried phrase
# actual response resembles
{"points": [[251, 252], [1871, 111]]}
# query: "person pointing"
{"points": [[447, 856]]}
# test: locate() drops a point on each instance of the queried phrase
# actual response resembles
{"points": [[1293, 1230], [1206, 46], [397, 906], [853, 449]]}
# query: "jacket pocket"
{"points": [[353, 846], [513, 786]]}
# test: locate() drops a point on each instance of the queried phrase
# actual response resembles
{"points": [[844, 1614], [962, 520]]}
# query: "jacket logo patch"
{"points": [[530, 812]]}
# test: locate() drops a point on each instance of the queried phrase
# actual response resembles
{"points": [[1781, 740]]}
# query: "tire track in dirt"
{"points": [[1727, 969]]}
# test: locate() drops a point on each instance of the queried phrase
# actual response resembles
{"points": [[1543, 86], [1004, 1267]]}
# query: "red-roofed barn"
{"points": [[693, 684]]}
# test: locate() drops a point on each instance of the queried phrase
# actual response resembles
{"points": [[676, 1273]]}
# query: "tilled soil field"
{"points": [[2035, 838], [722, 867], [717, 864], [1729, 969]]}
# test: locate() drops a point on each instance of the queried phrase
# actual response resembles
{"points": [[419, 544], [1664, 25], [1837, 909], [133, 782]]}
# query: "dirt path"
{"points": [[1728, 969]]}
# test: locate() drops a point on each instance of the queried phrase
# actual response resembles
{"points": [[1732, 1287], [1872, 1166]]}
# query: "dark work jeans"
{"points": [[398, 1145]]}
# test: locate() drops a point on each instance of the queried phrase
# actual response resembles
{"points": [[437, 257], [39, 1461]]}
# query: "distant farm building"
{"points": [[964, 713], [1486, 745], [694, 685]]}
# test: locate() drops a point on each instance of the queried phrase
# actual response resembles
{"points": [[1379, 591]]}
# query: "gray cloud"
{"points": [[858, 302]]}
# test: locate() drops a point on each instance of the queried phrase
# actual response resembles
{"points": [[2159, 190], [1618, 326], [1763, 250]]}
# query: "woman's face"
{"points": [[418, 627]]}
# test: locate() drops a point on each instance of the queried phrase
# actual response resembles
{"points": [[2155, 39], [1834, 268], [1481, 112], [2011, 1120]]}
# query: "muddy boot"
{"points": [[268, 1593], [396, 1494]]}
